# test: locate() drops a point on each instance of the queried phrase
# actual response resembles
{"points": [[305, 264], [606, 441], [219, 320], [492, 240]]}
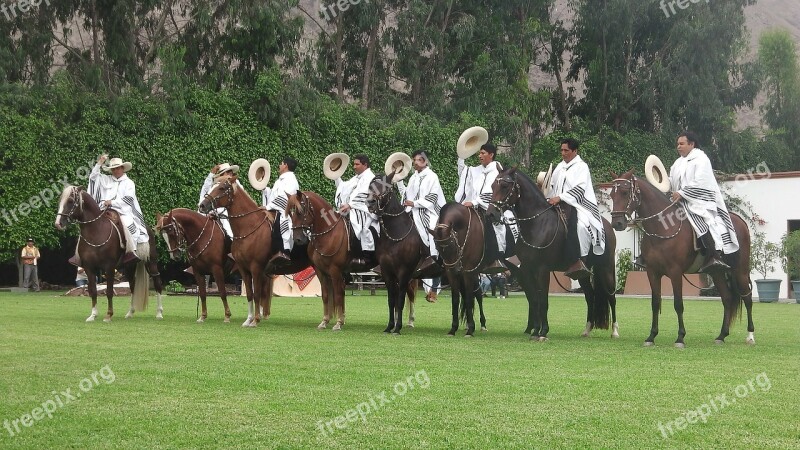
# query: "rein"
{"points": [[77, 204], [380, 211], [230, 194], [452, 240], [632, 207], [308, 214], [508, 203], [180, 235]]}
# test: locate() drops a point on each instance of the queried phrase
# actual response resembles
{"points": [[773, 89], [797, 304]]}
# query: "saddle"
{"points": [[116, 220]]}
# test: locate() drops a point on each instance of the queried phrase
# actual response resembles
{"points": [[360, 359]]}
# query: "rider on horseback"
{"points": [[351, 201], [693, 184], [284, 186], [572, 184], [118, 192], [424, 198]]}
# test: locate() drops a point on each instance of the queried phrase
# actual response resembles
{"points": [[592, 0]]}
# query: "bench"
{"points": [[361, 279]]}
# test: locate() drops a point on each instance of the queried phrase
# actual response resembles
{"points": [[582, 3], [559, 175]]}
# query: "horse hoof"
{"points": [[107, 319], [395, 333], [750, 341], [227, 320], [159, 316], [201, 320], [615, 335], [247, 322], [649, 343], [337, 327], [484, 329], [719, 341], [467, 335], [543, 338], [410, 325], [450, 334], [91, 318], [129, 315], [680, 345], [585, 334], [322, 326]]}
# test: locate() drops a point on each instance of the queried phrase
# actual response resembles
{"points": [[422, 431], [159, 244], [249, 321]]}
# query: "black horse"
{"points": [[459, 239], [540, 248], [399, 248]]}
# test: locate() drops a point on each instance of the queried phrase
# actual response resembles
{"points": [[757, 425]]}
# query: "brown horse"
{"points": [[203, 241], [252, 242], [316, 223], [101, 246], [459, 238], [668, 249], [540, 248]]}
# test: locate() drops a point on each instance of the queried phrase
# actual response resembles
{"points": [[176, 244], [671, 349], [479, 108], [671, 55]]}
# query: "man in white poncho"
{"points": [[424, 198], [694, 186], [351, 200], [572, 184]]}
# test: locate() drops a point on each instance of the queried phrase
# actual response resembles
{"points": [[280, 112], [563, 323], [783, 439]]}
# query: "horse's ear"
{"points": [[513, 170], [614, 175]]}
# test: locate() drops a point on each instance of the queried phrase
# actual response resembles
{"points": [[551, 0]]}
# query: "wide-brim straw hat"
{"points": [[335, 165], [470, 141], [226, 168], [543, 180], [399, 164], [656, 174], [259, 174], [117, 162]]}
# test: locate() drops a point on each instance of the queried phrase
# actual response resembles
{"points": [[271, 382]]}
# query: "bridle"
{"points": [[452, 241], [381, 202], [634, 202], [306, 211], [180, 236], [226, 188], [508, 202], [77, 205]]}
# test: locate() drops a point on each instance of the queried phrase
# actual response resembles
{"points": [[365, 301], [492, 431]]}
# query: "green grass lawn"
{"points": [[174, 383]]}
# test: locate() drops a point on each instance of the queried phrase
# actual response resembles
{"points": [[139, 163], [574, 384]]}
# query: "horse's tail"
{"points": [[733, 279], [139, 294], [604, 286]]}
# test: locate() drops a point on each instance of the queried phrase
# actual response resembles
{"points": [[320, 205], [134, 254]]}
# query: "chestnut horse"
{"points": [[101, 245], [252, 242], [668, 249], [459, 238], [315, 222], [540, 248], [203, 241]]}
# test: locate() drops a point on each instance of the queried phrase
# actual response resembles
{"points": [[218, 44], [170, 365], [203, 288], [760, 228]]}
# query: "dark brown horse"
{"points": [[203, 241], [399, 248], [252, 242], [316, 223], [540, 248], [668, 249], [459, 239], [101, 246]]}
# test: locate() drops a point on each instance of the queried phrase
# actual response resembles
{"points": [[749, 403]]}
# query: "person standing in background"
{"points": [[30, 262]]}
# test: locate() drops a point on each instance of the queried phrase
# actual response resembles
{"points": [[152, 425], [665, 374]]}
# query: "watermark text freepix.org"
{"points": [[682, 4], [10, 10], [58, 400], [363, 409], [715, 404]]}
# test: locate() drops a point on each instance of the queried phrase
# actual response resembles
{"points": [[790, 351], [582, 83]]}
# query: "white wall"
{"points": [[773, 197]]}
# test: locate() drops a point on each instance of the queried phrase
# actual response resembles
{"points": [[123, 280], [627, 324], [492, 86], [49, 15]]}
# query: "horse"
{"points": [[101, 245], [458, 236], [203, 241], [540, 248], [399, 248], [252, 242], [316, 223], [668, 249]]}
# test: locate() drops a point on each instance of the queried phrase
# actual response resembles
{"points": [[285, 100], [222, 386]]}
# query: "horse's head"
{"points": [[505, 193], [170, 230], [454, 221], [301, 212], [625, 198], [380, 194], [70, 206], [220, 195]]}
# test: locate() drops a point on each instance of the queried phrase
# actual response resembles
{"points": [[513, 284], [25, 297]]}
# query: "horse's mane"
{"points": [[644, 183], [67, 192], [525, 182]]}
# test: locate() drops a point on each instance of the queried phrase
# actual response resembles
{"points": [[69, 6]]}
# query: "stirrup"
{"points": [[75, 261], [577, 270], [713, 265], [427, 268], [129, 258], [494, 268]]}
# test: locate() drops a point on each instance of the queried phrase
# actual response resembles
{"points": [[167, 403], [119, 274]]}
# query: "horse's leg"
{"points": [[130, 275], [110, 294], [92, 278], [677, 291], [746, 294], [455, 296], [608, 288], [337, 297], [588, 295], [655, 306], [391, 287], [327, 298], [247, 280], [529, 287], [411, 293], [258, 294], [542, 292], [266, 293], [400, 300], [202, 292], [219, 277], [469, 305], [479, 298], [727, 296], [152, 268]]}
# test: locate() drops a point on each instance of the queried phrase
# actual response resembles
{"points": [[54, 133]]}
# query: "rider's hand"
{"points": [[468, 204], [107, 203], [554, 200], [344, 208], [408, 203], [102, 158], [676, 196]]}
